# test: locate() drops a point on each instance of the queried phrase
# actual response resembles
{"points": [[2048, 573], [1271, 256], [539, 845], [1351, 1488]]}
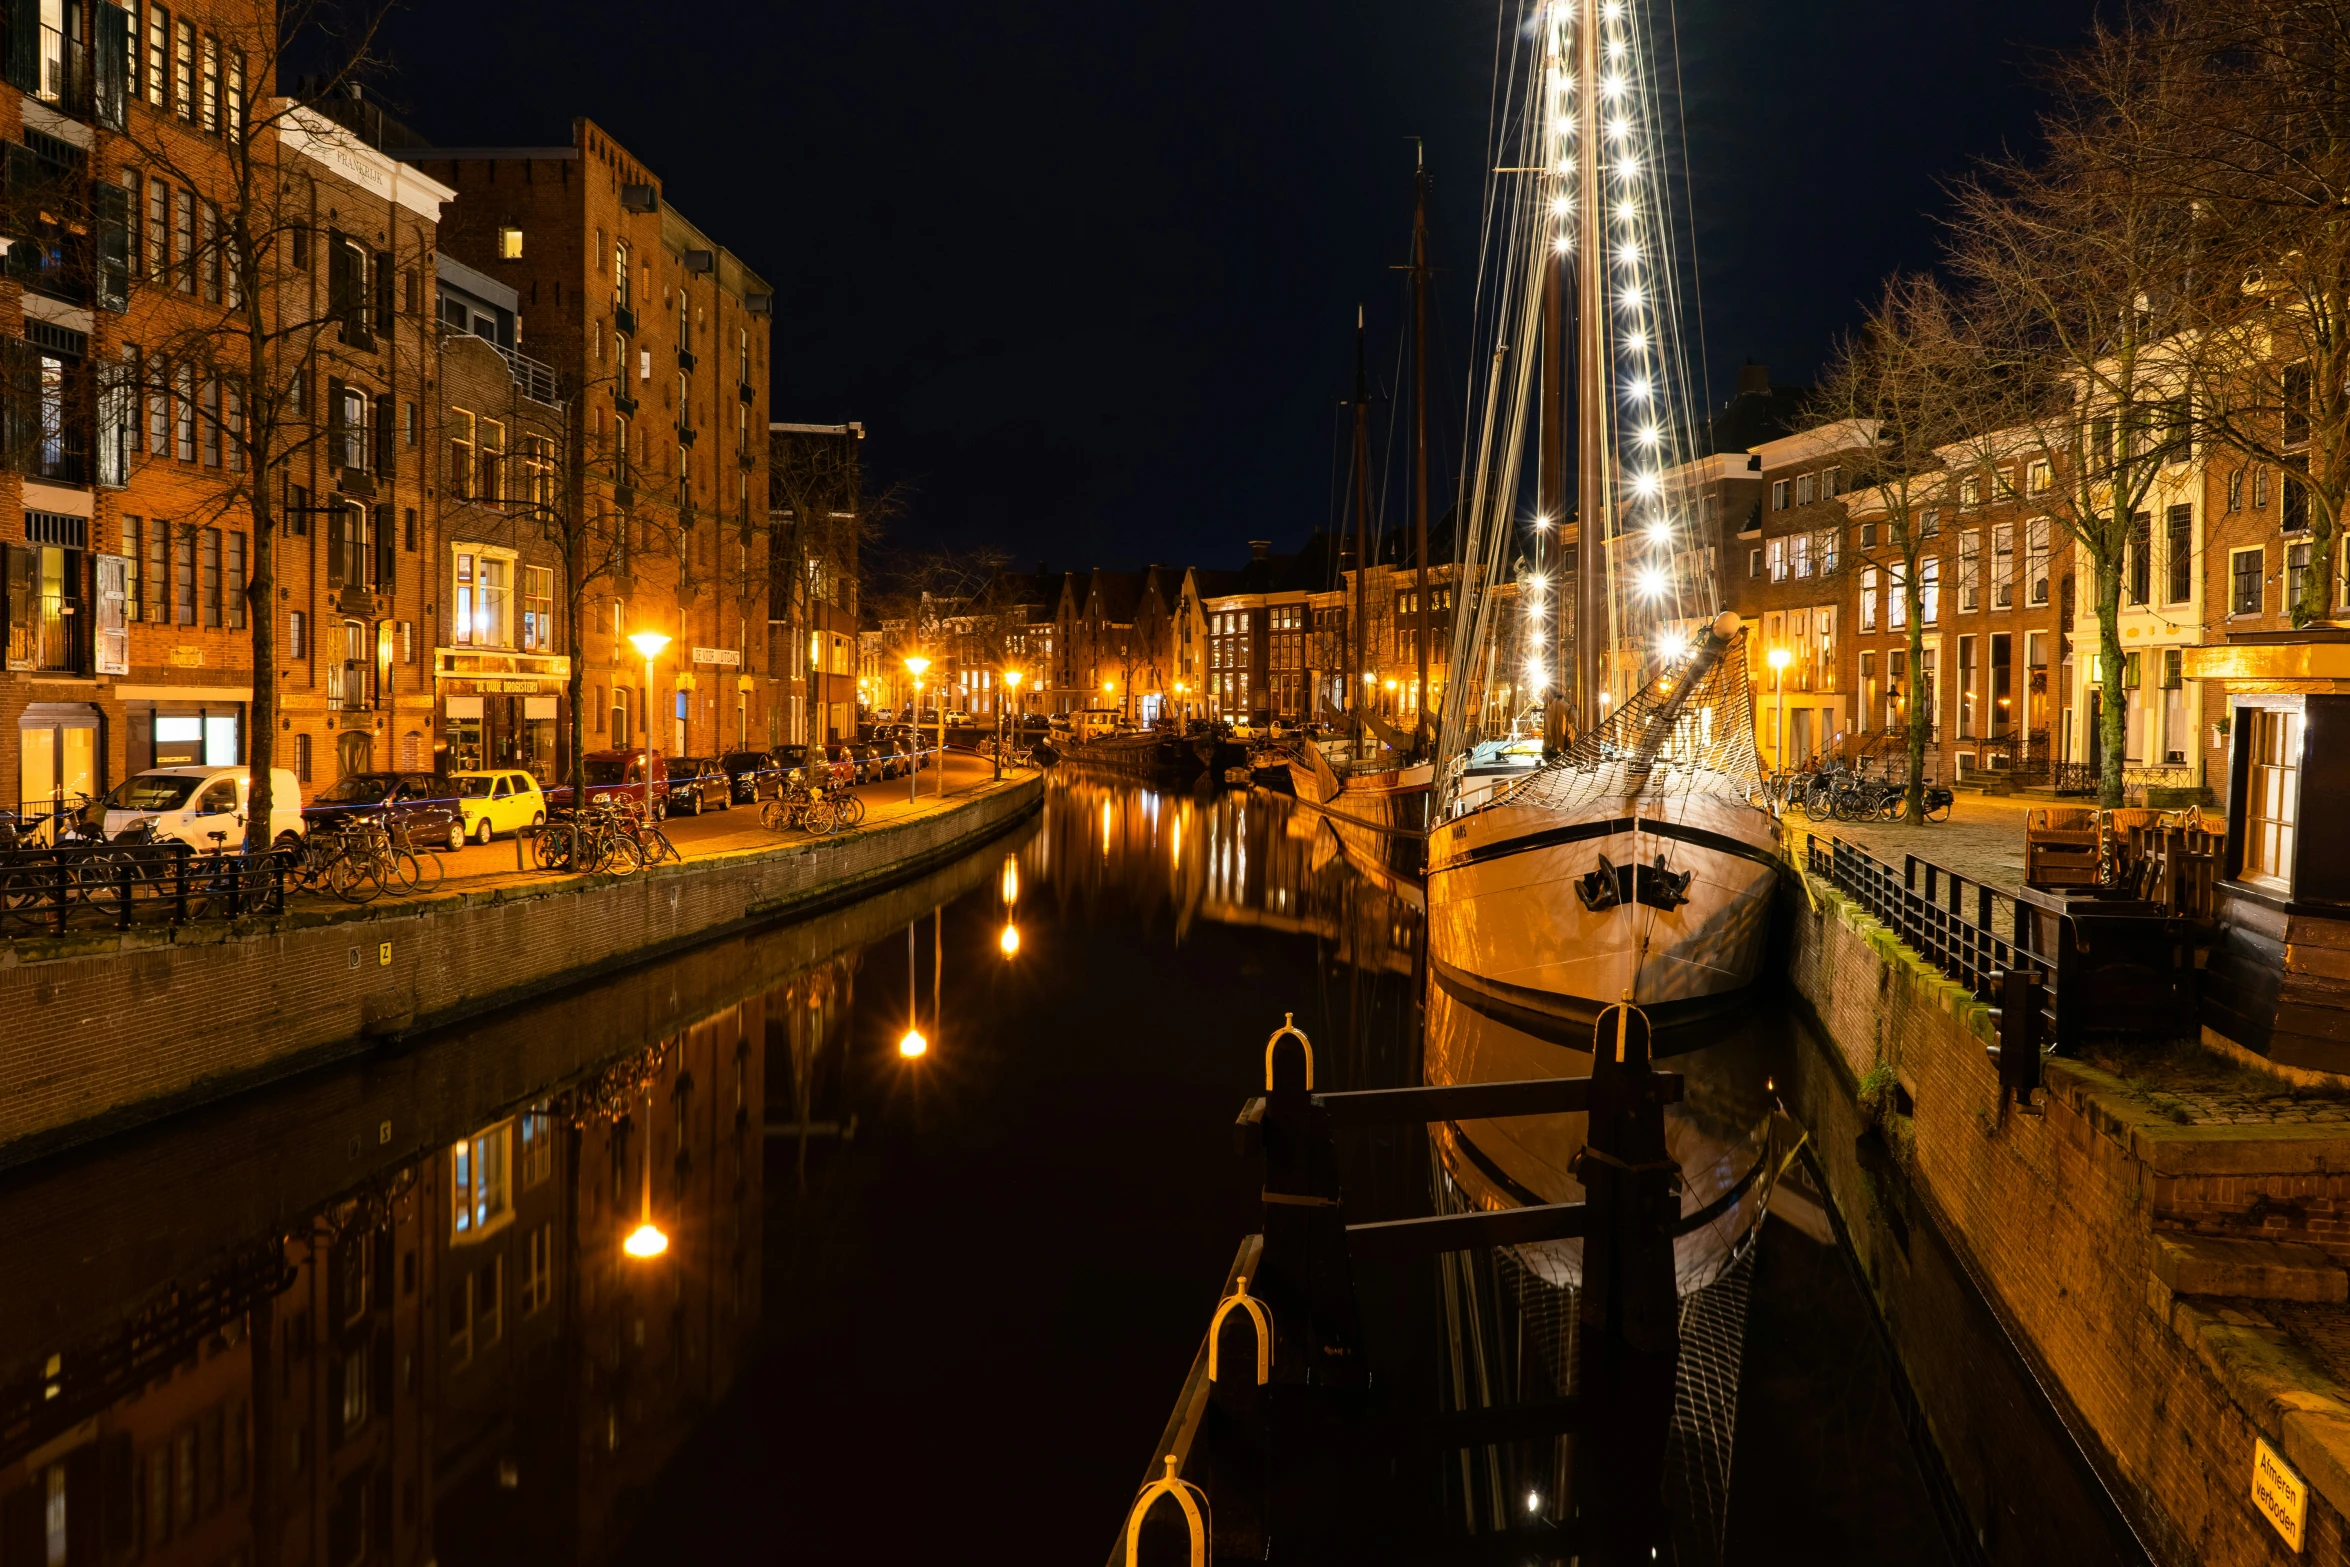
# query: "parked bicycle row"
{"points": [[1835, 792]]}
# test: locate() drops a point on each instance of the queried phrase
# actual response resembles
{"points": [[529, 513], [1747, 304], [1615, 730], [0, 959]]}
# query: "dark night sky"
{"points": [[1088, 272]]}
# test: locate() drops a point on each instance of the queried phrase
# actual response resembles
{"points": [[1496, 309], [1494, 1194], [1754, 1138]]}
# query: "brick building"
{"points": [[501, 671], [816, 575], [658, 337]]}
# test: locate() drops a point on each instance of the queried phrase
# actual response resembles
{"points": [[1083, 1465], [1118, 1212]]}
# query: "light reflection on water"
{"points": [[260, 1333]]}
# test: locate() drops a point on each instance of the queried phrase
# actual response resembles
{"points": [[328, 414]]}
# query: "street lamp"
{"points": [[1779, 660], [649, 644], [1011, 684], [915, 665]]}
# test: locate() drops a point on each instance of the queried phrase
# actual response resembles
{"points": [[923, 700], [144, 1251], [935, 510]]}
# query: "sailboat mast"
{"points": [[1362, 489], [1593, 404], [1420, 421]]}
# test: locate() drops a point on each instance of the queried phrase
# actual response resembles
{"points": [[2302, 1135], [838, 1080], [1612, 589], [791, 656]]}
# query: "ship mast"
{"points": [[1593, 404], [1420, 428], [1362, 488]]}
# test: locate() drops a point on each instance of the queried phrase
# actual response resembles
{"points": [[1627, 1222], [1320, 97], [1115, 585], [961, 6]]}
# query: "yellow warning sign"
{"points": [[2281, 1495]]}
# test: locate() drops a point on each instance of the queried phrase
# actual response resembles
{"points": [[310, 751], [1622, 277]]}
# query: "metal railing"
{"points": [[1949, 920], [51, 891]]}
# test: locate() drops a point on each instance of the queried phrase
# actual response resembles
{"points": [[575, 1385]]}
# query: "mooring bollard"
{"points": [[1189, 1497], [1240, 1299], [1289, 1029]]}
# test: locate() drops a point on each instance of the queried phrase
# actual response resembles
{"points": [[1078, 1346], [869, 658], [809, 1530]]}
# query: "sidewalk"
{"points": [[1983, 840], [505, 862]]}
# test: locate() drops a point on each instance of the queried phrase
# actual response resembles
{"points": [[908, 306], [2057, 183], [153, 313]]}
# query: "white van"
{"points": [[193, 803]]}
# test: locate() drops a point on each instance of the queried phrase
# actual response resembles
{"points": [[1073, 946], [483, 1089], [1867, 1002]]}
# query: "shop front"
{"points": [[59, 747], [500, 710]]}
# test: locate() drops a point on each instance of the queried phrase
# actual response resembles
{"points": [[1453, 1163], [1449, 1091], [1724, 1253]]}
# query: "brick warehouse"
{"points": [[658, 338]]}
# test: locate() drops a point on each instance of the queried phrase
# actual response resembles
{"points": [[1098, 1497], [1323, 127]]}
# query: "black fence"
{"points": [[1951, 921], [100, 886]]}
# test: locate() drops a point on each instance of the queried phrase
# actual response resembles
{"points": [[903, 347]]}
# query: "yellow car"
{"points": [[503, 801]]}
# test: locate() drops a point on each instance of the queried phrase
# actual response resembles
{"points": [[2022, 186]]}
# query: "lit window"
{"points": [[509, 244], [480, 1200]]}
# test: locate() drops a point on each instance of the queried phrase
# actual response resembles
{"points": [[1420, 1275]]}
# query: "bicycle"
{"points": [[809, 808]]}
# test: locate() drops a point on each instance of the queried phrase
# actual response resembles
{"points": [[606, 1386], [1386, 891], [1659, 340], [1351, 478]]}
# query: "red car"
{"points": [[623, 773]]}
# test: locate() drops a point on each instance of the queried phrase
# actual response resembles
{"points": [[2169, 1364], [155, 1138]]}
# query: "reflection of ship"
{"points": [[1380, 814], [1717, 1135]]}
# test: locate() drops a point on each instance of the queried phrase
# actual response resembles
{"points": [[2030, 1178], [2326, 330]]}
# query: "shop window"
{"points": [[2272, 794]]}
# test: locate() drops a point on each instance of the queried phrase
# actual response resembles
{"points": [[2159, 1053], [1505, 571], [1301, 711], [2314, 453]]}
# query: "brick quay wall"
{"points": [[2097, 1310], [103, 1031]]}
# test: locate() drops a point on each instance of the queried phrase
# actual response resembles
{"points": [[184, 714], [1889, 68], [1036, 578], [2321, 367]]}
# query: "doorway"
{"points": [[354, 752], [57, 758]]}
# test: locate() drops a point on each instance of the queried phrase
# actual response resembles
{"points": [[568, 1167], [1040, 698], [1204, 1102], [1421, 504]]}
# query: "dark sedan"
{"points": [[698, 784], [421, 810], [751, 775]]}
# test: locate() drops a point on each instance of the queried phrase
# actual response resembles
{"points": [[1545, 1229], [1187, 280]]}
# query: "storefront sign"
{"points": [[717, 655], [187, 658], [2281, 1495]]}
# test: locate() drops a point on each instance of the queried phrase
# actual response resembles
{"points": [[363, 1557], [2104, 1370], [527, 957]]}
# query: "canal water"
{"points": [[884, 1234]]}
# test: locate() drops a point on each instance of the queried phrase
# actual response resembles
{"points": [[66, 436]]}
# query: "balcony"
{"points": [[536, 381]]}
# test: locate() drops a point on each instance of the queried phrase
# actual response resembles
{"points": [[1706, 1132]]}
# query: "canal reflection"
{"points": [[704, 1261], [471, 1302]]}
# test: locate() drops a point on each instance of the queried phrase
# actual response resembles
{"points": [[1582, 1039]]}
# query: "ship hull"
{"points": [[1380, 818], [1549, 915]]}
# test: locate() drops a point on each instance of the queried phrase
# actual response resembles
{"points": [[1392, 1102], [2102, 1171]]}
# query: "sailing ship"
{"points": [[1378, 804], [1638, 861]]}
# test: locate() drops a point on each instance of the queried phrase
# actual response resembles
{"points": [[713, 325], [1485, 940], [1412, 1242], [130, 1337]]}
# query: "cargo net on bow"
{"points": [[1676, 735]]}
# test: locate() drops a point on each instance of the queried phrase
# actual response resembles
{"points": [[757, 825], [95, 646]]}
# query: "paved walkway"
{"points": [[485, 867], [1983, 840]]}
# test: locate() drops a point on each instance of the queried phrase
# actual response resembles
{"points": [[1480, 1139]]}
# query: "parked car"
{"points": [[897, 757], [422, 811], [501, 801], [697, 784], [196, 803], [622, 773], [750, 775], [872, 761], [844, 767]]}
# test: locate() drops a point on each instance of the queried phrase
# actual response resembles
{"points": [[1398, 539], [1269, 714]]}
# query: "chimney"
{"points": [[1259, 549], [1754, 378]]}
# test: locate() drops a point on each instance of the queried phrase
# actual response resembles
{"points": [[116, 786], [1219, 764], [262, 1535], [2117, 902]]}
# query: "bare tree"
{"points": [[2076, 264], [2252, 128], [222, 298], [1906, 384]]}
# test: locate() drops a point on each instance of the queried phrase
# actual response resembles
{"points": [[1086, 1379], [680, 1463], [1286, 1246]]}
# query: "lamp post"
{"points": [[649, 644], [914, 666], [1011, 685], [1780, 658]]}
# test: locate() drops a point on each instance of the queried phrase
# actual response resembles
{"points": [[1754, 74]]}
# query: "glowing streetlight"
{"points": [[915, 665], [1779, 660], [913, 1044], [1012, 685], [649, 644], [1009, 941]]}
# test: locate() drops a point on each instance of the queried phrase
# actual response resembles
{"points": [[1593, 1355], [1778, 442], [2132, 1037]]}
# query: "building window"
{"points": [[1868, 599], [489, 461], [1966, 688], [1929, 590], [183, 71], [2139, 564], [1970, 569], [2003, 565], [2245, 568], [302, 758], [1807, 488], [2272, 793], [297, 636], [2296, 574], [1778, 495], [1896, 598], [479, 1197], [2178, 548], [233, 588], [2038, 477], [461, 438], [184, 577], [1754, 563], [538, 608], [509, 244], [2236, 491], [2036, 538], [538, 1275]]}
